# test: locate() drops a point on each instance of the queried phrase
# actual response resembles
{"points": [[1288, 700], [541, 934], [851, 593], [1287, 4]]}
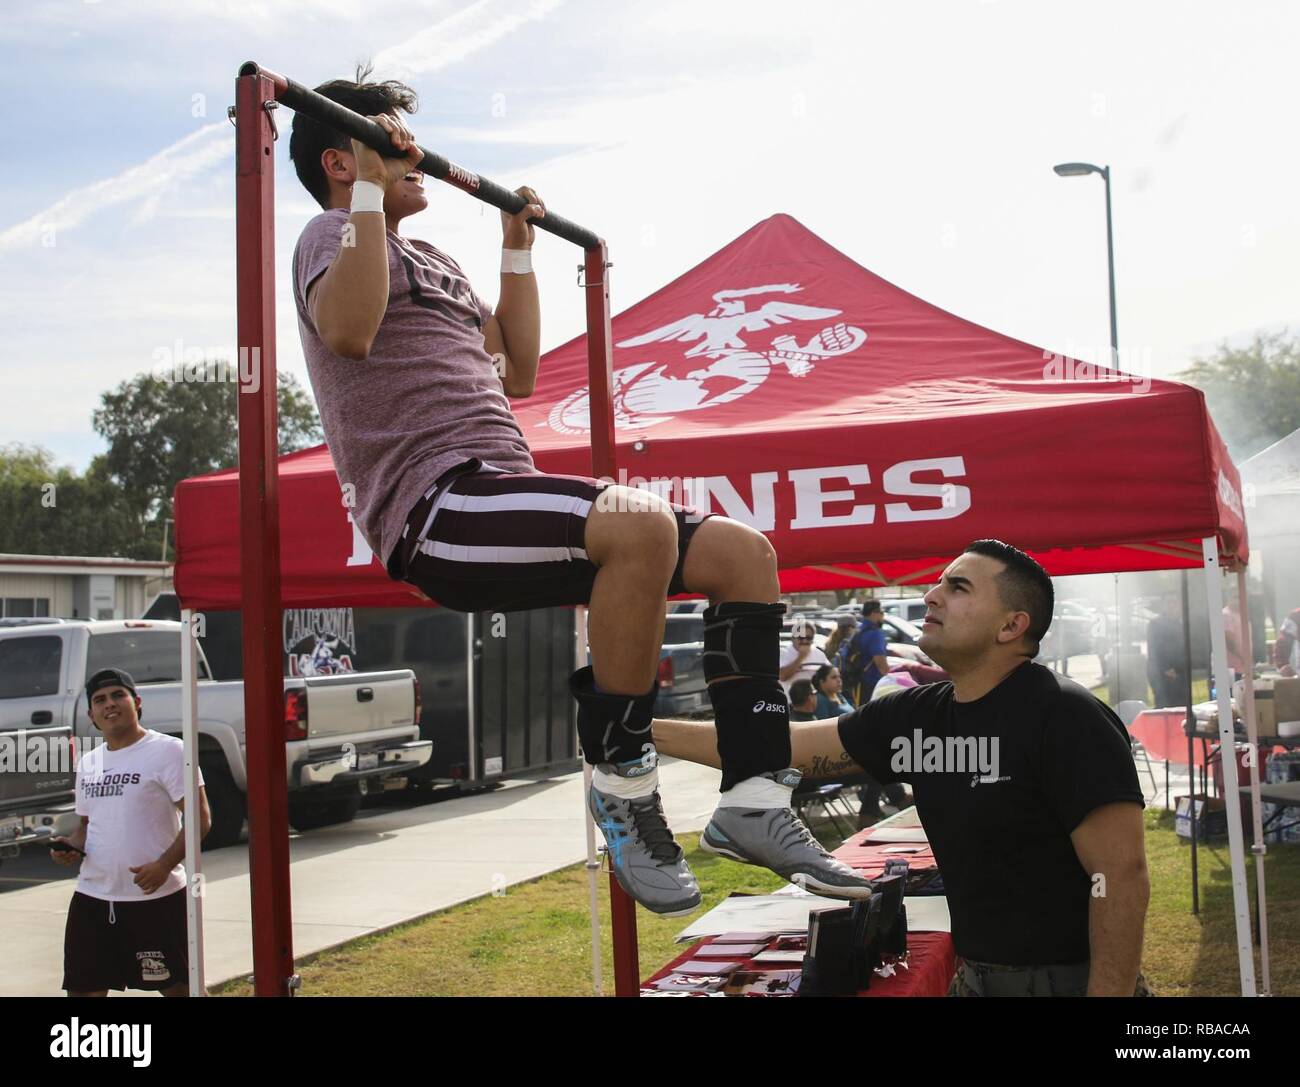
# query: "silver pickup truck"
{"points": [[341, 733]]}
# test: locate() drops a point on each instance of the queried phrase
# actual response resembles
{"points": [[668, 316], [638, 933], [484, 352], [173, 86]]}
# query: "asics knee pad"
{"points": [[612, 728], [742, 639], [752, 719]]}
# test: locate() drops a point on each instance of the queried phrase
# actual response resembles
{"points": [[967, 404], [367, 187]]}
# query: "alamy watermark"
{"points": [[974, 755], [42, 753], [636, 494], [1132, 366], [176, 363]]}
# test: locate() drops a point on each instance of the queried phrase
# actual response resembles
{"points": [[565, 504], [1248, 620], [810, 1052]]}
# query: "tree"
{"points": [[47, 509], [1253, 392], [162, 429]]}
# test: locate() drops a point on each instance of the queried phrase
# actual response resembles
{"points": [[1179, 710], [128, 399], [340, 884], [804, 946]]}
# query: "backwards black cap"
{"points": [[109, 677]]}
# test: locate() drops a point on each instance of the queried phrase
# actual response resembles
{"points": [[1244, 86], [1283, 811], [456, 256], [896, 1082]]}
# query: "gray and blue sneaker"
{"points": [[776, 838], [648, 864]]}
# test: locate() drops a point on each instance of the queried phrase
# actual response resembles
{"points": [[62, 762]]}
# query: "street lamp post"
{"points": [[1078, 169]]}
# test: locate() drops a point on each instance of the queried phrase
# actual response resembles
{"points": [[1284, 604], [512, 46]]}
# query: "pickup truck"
{"points": [[682, 688], [342, 733]]}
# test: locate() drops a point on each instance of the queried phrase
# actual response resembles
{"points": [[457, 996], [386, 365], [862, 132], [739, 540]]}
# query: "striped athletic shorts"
{"points": [[482, 539]]}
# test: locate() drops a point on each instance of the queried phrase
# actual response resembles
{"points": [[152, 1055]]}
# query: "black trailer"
{"points": [[493, 686]]}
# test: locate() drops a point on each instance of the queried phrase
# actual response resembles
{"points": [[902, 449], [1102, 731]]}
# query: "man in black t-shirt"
{"points": [[1024, 781]]}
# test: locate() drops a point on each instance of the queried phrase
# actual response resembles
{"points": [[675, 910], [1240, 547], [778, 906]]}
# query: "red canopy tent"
{"points": [[869, 434]]}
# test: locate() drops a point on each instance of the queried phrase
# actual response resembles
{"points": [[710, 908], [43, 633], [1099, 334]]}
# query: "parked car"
{"points": [[680, 679], [689, 607], [341, 732], [899, 630], [32, 621], [1073, 631], [911, 609]]}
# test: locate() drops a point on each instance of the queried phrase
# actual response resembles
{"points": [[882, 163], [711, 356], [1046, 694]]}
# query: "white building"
{"points": [[71, 587]]}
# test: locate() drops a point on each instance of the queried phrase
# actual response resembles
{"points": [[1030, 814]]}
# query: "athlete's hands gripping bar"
{"points": [[350, 123]]}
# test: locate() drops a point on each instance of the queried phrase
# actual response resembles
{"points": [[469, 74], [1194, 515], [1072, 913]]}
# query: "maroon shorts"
{"points": [[137, 944], [510, 542]]}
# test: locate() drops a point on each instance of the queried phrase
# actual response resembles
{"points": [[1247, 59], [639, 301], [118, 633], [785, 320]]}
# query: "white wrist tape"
{"points": [[367, 196], [517, 261]]}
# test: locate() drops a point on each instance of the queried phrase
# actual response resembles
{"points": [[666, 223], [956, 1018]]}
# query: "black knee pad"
{"points": [[613, 728], [752, 718], [742, 639]]}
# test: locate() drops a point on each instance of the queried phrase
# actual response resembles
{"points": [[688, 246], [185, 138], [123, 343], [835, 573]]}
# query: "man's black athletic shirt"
{"points": [[1016, 891]]}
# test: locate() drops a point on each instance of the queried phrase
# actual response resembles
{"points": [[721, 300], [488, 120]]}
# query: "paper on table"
{"points": [[758, 913], [896, 834], [778, 956], [723, 951], [707, 966], [903, 849], [927, 913]]}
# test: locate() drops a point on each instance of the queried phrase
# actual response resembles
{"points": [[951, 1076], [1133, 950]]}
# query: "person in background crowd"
{"points": [[1166, 659], [803, 701], [829, 686], [801, 658], [863, 658], [1286, 650], [1232, 635], [845, 625], [876, 800]]}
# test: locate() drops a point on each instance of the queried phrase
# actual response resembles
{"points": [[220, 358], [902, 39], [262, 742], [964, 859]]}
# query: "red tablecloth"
{"points": [[931, 964], [858, 852], [1161, 733], [932, 961]]}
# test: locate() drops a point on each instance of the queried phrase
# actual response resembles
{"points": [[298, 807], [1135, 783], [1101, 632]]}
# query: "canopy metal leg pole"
{"points": [[1189, 727], [193, 819], [1228, 754], [1259, 849]]}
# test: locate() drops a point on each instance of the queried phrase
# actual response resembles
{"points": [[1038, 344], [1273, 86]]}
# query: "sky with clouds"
{"points": [[918, 139]]}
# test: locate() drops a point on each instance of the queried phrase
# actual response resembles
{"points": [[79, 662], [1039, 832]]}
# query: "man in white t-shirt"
{"points": [[801, 659], [126, 922]]}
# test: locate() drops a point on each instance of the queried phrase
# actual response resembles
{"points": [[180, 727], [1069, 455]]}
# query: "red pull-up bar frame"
{"points": [[257, 90]]}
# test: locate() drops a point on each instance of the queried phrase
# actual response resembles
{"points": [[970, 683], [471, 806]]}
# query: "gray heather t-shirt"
{"points": [[426, 399]]}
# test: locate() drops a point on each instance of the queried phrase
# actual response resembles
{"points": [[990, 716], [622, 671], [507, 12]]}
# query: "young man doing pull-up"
{"points": [[400, 351]]}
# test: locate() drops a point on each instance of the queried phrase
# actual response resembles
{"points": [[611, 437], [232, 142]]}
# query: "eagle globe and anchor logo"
{"points": [[647, 393]]}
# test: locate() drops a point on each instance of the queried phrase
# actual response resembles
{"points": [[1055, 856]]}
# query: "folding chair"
{"points": [[831, 801], [1127, 712]]}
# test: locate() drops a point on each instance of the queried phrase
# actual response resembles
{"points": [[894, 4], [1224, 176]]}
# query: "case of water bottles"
{"points": [[1278, 769]]}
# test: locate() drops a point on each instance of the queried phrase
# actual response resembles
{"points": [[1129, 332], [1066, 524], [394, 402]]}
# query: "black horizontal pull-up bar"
{"points": [[301, 100]]}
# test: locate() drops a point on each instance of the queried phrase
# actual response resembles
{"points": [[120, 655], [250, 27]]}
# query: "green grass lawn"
{"points": [[1186, 955], [535, 940]]}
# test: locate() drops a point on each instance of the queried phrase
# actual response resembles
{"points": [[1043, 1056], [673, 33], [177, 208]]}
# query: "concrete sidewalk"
{"points": [[385, 867]]}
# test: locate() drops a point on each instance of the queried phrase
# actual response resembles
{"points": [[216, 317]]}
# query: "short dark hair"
{"points": [[819, 676], [870, 606], [800, 691], [311, 139], [1023, 586]]}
